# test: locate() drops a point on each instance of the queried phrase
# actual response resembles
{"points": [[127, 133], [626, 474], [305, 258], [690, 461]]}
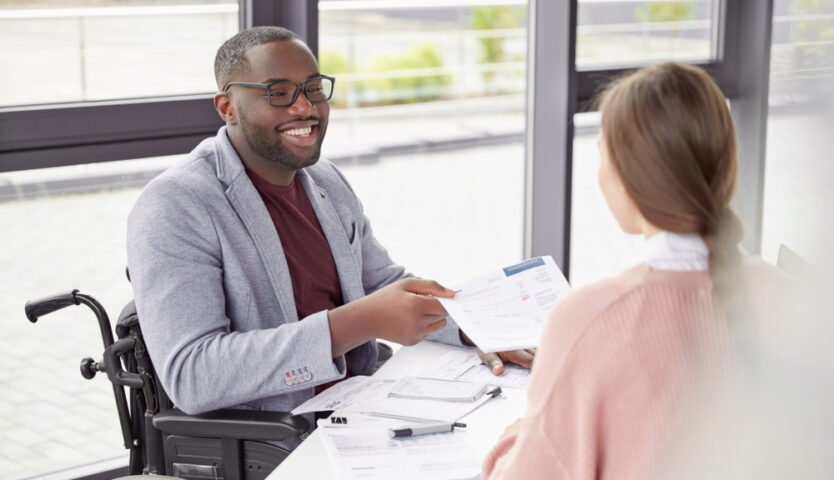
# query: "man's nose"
{"points": [[302, 106]]}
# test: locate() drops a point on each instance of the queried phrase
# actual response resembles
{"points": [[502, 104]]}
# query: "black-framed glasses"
{"points": [[285, 92]]}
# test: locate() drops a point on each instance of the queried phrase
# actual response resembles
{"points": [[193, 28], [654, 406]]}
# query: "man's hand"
{"points": [[405, 312], [495, 361]]}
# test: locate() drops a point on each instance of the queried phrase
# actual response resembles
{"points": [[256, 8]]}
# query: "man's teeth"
{"points": [[299, 131]]}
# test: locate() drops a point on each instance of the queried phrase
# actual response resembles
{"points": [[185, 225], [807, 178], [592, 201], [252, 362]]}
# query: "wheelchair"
{"points": [[224, 444]]}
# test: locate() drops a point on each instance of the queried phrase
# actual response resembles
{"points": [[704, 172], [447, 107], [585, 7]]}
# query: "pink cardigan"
{"points": [[617, 361]]}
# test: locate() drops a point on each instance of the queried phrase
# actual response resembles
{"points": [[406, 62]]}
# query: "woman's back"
{"points": [[619, 361]]}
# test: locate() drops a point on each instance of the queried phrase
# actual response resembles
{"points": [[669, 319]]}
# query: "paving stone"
{"points": [[23, 436]]}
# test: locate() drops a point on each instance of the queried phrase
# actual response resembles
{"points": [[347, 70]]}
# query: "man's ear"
{"points": [[225, 108]]}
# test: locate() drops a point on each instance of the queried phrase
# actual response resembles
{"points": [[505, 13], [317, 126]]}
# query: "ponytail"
{"points": [[725, 260]]}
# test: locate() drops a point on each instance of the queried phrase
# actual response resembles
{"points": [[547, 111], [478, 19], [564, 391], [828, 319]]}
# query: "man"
{"points": [[255, 271]]}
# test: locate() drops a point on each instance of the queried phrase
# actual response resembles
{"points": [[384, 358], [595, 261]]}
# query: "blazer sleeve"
{"points": [[176, 265]]}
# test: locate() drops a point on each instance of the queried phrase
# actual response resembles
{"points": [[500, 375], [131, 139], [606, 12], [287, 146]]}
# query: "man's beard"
{"points": [[258, 139]]}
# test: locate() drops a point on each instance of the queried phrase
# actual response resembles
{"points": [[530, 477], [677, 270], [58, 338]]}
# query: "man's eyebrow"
{"points": [[273, 80]]}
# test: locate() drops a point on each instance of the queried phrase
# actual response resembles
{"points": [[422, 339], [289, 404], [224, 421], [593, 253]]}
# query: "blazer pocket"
{"points": [[354, 237]]}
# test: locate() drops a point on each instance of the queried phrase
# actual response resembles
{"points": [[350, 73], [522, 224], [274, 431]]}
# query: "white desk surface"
{"points": [[483, 426]]}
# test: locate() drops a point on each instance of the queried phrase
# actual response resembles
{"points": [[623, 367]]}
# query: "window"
{"points": [[427, 123], [797, 193], [625, 33], [64, 228], [83, 50]]}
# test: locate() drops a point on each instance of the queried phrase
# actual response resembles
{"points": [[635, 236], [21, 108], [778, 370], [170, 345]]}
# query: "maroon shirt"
{"points": [[315, 280]]}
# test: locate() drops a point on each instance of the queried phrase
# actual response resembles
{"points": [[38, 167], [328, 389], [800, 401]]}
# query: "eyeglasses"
{"points": [[285, 92]]}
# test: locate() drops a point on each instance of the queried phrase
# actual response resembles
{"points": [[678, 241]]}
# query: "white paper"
{"points": [[465, 365], [367, 452], [506, 309], [363, 394]]}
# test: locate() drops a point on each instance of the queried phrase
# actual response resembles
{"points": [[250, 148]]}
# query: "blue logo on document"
{"points": [[525, 265]]}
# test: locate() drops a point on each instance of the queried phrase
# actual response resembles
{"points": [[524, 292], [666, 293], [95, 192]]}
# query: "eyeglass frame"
{"points": [[298, 87]]}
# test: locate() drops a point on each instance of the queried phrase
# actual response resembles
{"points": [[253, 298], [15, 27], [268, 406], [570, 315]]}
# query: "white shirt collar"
{"points": [[675, 251]]}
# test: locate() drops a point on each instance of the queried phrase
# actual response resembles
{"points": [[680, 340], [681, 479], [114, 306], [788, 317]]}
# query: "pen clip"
{"points": [[494, 392]]}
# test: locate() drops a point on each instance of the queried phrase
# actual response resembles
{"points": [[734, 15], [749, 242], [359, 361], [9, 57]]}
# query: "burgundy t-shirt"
{"points": [[315, 280]]}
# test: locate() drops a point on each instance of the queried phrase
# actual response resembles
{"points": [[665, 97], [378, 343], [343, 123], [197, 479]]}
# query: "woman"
{"points": [[620, 359]]}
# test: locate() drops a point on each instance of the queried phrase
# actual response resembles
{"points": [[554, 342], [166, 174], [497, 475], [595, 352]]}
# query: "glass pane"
{"points": [[428, 111], [613, 33], [63, 228], [799, 171], [79, 50], [599, 248]]}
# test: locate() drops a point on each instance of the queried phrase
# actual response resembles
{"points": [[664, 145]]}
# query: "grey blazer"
{"points": [[213, 291]]}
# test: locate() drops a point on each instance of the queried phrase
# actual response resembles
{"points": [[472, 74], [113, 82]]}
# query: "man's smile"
{"points": [[300, 134]]}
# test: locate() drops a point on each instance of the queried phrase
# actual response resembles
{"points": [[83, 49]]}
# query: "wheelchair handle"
{"points": [[113, 365], [44, 306]]}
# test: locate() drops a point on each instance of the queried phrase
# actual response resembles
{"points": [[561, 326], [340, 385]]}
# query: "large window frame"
{"points": [[557, 90], [58, 135]]}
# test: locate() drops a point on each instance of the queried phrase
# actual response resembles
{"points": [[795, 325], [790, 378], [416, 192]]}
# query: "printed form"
{"points": [[368, 453], [507, 309]]}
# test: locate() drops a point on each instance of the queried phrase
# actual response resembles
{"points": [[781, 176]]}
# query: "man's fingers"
{"points": [[519, 357], [427, 305], [491, 360], [436, 326], [427, 287]]}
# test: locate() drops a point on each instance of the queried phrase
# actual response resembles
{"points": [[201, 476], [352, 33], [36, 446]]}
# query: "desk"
{"points": [[484, 425]]}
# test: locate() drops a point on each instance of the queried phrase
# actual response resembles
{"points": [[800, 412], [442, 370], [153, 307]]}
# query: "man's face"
{"points": [[289, 136]]}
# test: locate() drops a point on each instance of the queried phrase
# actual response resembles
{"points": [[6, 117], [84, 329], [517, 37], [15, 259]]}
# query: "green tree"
{"points": [[334, 63], [403, 88], [491, 18], [817, 32]]}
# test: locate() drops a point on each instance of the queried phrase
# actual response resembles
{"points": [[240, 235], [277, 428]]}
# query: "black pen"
{"points": [[421, 430]]}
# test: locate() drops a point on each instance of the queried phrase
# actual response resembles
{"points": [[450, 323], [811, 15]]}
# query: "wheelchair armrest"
{"points": [[228, 423]]}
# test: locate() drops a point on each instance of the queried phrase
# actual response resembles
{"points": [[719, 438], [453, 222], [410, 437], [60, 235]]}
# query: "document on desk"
{"points": [[369, 395], [368, 453], [507, 309], [465, 365]]}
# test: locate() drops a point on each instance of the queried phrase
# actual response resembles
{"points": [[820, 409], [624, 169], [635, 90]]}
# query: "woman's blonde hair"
{"points": [[670, 137]]}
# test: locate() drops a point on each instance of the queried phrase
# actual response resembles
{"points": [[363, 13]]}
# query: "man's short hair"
{"points": [[231, 56]]}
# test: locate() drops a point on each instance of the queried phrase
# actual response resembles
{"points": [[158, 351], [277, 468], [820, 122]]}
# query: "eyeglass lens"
{"points": [[317, 90]]}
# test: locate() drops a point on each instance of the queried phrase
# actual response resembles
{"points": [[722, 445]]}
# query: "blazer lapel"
{"points": [[349, 275], [250, 208]]}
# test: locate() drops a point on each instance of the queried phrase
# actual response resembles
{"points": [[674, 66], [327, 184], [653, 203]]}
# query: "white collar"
{"points": [[675, 251]]}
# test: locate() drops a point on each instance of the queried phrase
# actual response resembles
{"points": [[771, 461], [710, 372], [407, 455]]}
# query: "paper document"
{"points": [[369, 395], [465, 365], [507, 309], [368, 453]]}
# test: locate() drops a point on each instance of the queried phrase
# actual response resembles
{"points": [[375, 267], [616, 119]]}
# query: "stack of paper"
{"points": [[370, 395]]}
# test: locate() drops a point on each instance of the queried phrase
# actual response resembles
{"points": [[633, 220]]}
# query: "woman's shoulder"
{"points": [[616, 304], [592, 299]]}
